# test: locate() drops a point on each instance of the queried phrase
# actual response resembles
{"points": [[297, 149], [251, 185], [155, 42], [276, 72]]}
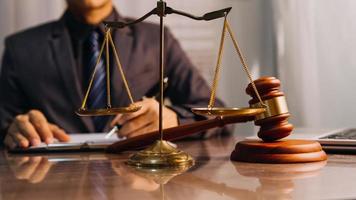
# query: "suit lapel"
{"points": [[64, 59], [124, 46]]}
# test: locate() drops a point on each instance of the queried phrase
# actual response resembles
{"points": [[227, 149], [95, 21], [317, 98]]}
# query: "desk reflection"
{"points": [[134, 180], [276, 181], [30, 168], [106, 176]]}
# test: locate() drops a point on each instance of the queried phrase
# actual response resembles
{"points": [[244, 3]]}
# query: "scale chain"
{"points": [[120, 68], [227, 28], [243, 62], [93, 75], [108, 39], [108, 70], [218, 67]]}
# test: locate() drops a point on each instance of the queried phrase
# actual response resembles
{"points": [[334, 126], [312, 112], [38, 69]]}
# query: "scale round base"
{"points": [[161, 155], [243, 112], [107, 111]]}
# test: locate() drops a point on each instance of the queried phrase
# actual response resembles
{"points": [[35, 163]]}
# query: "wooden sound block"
{"points": [[285, 151]]}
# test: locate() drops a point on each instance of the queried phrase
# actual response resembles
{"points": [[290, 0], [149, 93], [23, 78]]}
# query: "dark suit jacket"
{"points": [[38, 72]]}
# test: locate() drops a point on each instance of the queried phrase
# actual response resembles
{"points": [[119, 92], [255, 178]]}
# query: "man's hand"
{"points": [[145, 120], [31, 129]]}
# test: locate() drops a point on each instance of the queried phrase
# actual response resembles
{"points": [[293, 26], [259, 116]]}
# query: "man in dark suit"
{"points": [[46, 70]]}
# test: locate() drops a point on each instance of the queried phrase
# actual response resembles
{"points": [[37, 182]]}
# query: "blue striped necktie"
{"points": [[97, 97]]}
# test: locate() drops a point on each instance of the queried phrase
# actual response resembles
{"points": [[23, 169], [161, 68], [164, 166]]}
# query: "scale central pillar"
{"points": [[161, 154]]}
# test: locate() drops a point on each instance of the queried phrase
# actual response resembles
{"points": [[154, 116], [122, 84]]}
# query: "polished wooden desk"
{"points": [[214, 176]]}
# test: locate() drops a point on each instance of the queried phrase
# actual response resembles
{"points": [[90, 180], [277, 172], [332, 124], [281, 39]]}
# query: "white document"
{"points": [[93, 138], [77, 143]]}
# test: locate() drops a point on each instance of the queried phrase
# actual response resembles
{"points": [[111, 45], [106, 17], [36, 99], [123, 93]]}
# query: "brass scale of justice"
{"points": [[161, 154]]}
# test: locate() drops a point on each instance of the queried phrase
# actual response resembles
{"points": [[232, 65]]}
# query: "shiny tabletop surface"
{"points": [[214, 176]]}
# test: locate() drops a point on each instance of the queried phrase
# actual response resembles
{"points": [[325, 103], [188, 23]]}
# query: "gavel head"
{"points": [[274, 122]]}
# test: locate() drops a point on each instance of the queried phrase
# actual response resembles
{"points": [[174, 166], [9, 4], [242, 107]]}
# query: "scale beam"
{"points": [[206, 17], [120, 24], [168, 10]]}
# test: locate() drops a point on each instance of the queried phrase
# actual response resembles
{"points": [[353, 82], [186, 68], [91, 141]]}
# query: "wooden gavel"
{"points": [[273, 122], [274, 126], [175, 133]]}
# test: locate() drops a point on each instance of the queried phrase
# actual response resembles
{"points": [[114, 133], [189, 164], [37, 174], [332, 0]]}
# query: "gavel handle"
{"points": [[175, 133]]}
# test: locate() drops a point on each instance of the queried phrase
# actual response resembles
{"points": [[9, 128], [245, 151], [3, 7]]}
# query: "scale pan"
{"points": [[107, 111], [243, 112]]}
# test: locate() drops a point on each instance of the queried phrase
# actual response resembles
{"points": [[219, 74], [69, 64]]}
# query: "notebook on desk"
{"points": [[338, 140], [78, 143]]}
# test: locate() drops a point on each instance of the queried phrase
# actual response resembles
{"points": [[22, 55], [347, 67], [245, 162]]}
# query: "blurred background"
{"points": [[309, 44]]}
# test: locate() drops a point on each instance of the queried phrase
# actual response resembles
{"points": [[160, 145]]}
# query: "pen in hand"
{"points": [[113, 131]]}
